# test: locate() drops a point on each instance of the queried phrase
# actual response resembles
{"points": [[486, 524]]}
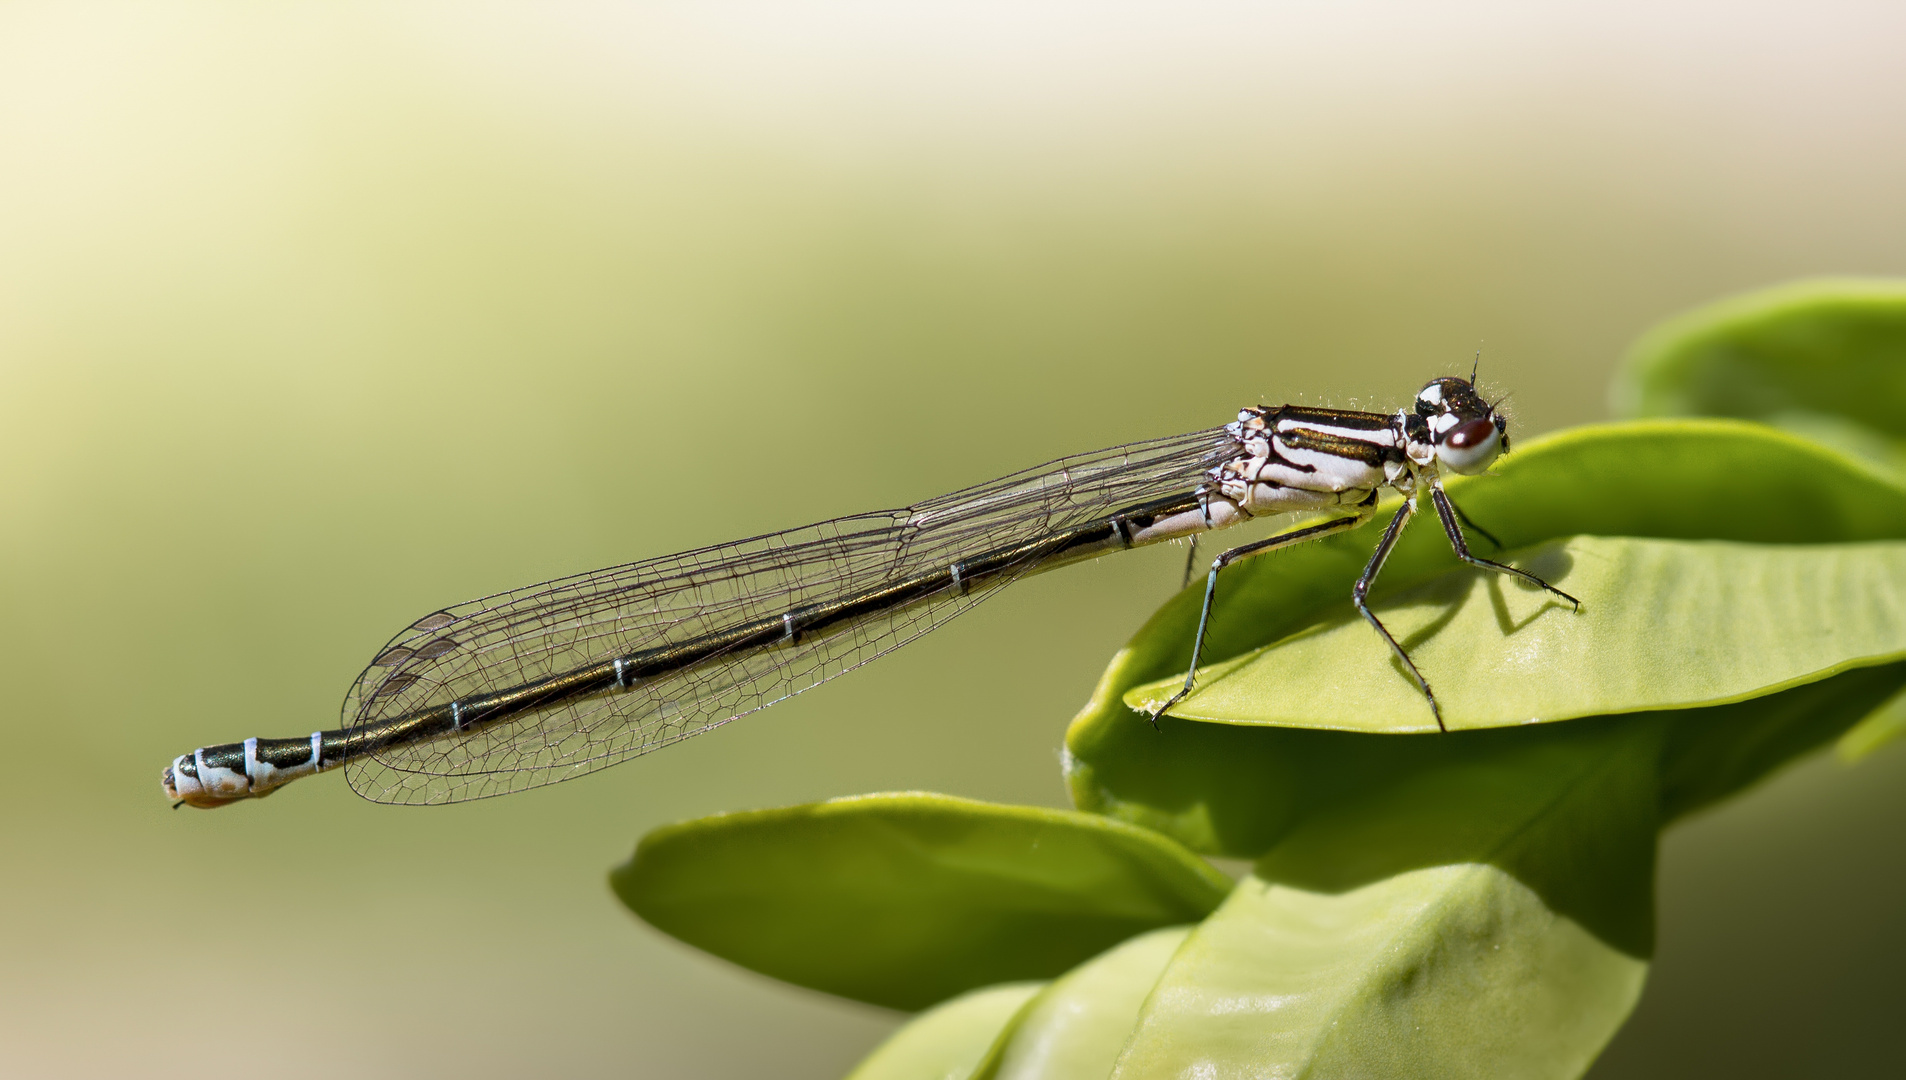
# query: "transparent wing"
{"points": [[518, 637]]}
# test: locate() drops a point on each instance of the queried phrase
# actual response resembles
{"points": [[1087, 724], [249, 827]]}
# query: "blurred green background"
{"points": [[316, 317]]}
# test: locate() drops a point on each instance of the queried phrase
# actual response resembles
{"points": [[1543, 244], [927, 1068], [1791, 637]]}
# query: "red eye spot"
{"points": [[1470, 433]]}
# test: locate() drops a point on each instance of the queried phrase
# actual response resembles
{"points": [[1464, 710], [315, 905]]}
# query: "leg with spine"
{"points": [[1449, 513], [1360, 596], [1261, 547]]}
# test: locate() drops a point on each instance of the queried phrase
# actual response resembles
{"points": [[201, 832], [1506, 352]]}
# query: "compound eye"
{"points": [[1470, 446]]}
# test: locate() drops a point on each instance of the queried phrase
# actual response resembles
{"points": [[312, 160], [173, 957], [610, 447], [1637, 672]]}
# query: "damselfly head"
{"points": [[1468, 433]]}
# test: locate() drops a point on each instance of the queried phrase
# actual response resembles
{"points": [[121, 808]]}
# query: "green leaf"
{"points": [[1825, 359], [947, 1042], [1473, 904], [907, 899], [1220, 791], [1077, 1025], [1457, 971], [1664, 624], [1486, 912], [1240, 791], [1883, 725], [1711, 754]]}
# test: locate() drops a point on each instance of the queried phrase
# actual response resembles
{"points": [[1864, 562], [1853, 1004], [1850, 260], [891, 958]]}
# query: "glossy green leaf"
{"points": [[1457, 971], [1484, 912], [949, 1041], [907, 899], [1220, 790], [1238, 791], [1473, 904], [1076, 1027], [1664, 624], [1825, 359]]}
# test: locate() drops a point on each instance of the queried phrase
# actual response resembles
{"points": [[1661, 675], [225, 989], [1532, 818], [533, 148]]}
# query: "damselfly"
{"points": [[560, 679]]}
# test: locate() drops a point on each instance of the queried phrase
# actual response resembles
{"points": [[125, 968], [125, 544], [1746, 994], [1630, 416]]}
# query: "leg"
{"points": [[1298, 536], [1447, 511], [1360, 597], [1191, 556]]}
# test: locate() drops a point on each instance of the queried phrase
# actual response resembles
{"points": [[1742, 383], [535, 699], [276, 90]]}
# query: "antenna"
{"points": [[1473, 368]]}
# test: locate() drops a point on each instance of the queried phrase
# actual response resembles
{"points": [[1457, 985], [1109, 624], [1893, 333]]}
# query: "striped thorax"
{"points": [[1294, 458]]}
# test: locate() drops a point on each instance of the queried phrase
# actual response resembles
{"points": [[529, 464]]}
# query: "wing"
{"points": [[518, 637]]}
